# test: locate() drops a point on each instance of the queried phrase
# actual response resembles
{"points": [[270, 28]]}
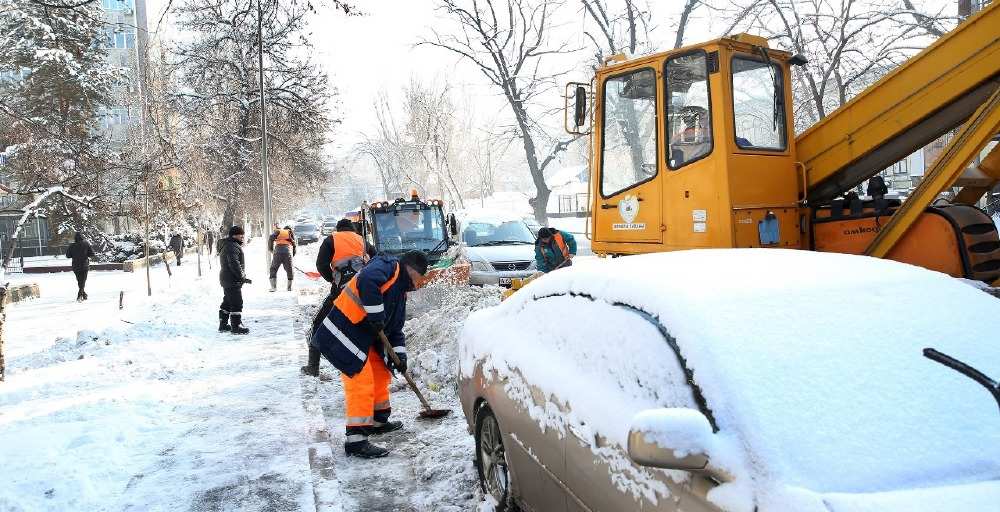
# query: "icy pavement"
{"points": [[149, 408]]}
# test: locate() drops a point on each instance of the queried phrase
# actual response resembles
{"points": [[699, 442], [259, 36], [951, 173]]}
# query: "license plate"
{"points": [[505, 281]]}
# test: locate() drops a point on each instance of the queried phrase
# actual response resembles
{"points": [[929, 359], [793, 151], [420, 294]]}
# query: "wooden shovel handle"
{"points": [[409, 380]]}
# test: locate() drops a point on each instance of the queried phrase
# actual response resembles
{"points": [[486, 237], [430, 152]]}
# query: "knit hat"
{"points": [[345, 225], [236, 230], [416, 260]]}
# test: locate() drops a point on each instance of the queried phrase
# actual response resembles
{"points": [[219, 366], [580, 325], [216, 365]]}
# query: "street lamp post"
{"points": [[265, 177]]}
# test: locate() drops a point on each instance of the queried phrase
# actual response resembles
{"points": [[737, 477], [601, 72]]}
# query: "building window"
{"points": [[117, 5], [119, 37]]}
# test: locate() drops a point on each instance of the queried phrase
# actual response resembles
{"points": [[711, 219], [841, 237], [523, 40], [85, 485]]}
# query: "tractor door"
{"points": [[626, 185]]}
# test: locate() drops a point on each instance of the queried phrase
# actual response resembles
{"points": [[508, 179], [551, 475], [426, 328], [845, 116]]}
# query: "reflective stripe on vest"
{"points": [[347, 245], [349, 301], [284, 237]]}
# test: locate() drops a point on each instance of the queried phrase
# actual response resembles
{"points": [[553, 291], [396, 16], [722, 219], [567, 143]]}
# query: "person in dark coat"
{"points": [[80, 252], [372, 304], [337, 263], [232, 277], [209, 240], [177, 245]]}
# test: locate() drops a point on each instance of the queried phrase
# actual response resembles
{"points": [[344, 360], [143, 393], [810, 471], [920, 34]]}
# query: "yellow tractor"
{"points": [[695, 148]]}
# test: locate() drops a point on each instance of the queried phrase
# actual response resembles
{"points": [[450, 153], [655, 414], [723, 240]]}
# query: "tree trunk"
{"points": [[539, 204]]}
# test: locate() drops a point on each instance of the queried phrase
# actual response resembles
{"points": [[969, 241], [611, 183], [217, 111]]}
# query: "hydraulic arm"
{"points": [[930, 94]]}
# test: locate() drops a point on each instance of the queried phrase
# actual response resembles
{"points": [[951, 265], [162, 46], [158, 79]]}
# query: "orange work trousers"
{"points": [[367, 392]]}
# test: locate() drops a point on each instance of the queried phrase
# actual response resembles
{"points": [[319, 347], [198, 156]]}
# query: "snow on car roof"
{"points": [[814, 361]]}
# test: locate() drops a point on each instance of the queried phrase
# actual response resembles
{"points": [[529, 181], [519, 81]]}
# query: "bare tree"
{"points": [[508, 41], [849, 44], [219, 99]]}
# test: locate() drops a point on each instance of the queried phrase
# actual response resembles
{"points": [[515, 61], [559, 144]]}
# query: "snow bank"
{"points": [[811, 364]]}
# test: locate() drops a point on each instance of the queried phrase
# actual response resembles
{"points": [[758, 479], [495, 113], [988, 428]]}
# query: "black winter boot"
{"points": [[289, 285], [223, 321], [356, 445], [312, 367], [238, 328], [274, 283], [383, 428]]}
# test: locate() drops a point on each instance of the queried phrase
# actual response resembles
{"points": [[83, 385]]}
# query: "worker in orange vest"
{"points": [[282, 246], [554, 249], [371, 303], [340, 257]]}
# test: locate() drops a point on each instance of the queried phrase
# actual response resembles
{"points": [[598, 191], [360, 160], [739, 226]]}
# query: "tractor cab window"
{"points": [[689, 111], [629, 127], [758, 105], [401, 230]]}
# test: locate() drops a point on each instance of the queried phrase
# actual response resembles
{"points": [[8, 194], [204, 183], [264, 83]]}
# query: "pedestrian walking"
{"points": [[210, 240], [80, 252], [554, 249], [282, 246], [232, 276], [373, 302], [177, 245], [341, 256]]}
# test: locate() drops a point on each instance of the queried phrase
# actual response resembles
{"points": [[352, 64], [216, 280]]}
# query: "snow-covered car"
{"points": [[498, 247], [306, 233], [533, 225], [736, 380]]}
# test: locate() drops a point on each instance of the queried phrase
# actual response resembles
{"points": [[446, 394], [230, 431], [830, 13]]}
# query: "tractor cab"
{"points": [[691, 148], [395, 227]]}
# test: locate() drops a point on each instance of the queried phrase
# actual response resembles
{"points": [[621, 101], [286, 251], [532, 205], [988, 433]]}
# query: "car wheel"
{"points": [[491, 460]]}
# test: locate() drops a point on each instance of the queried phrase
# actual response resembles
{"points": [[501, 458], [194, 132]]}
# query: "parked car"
{"points": [[306, 233], [499, 248], [736, 380], [329, 226]]}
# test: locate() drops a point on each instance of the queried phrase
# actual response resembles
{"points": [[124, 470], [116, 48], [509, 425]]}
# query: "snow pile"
{"points": [[813, 390], [437, 314]]}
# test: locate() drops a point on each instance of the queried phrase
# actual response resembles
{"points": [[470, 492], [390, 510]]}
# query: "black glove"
{"points": [[246, 281], [402, 363], [376, 327]]}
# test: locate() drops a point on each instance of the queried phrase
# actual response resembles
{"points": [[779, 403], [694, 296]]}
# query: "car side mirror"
{"points": [[452, 225], [671, 439]]}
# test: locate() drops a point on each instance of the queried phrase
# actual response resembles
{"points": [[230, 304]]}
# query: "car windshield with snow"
{"points": [[658, 382], [499, 247]]}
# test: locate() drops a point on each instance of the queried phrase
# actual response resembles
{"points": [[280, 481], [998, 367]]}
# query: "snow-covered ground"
{"points": [[149, 408]]}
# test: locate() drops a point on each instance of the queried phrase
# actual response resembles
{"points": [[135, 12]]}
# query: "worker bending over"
{"points": [[283, 248], [340, 257], [372, 302], [554, 249]]}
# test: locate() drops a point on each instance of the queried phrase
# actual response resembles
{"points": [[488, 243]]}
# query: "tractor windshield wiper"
{"points": [[501, 242], [991, 385]]}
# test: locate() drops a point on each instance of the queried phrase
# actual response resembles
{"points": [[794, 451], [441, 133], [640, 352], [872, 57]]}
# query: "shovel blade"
{"points": [[430, 414]]}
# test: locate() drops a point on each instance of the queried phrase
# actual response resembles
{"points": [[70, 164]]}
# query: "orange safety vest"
{"points": [[284, 237], [349, 301], [561, 244], [347, 245]]}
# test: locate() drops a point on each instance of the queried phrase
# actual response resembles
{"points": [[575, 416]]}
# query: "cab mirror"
{"points": [[452, 225], [671, 439], [580, 110], [576, 119]]}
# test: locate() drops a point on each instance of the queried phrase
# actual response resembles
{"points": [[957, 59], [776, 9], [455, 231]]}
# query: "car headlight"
{"points": [[481, 266], [533, 265]]}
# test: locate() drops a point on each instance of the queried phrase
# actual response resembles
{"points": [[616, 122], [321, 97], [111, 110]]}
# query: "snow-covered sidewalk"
{"points": [[149, 408]]}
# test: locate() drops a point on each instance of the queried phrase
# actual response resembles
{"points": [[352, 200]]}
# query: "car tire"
{"points": [[491, 463]]}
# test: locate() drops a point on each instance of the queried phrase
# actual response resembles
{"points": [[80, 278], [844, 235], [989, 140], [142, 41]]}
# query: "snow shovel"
{"points": [[427, 413], [311, 275]]}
